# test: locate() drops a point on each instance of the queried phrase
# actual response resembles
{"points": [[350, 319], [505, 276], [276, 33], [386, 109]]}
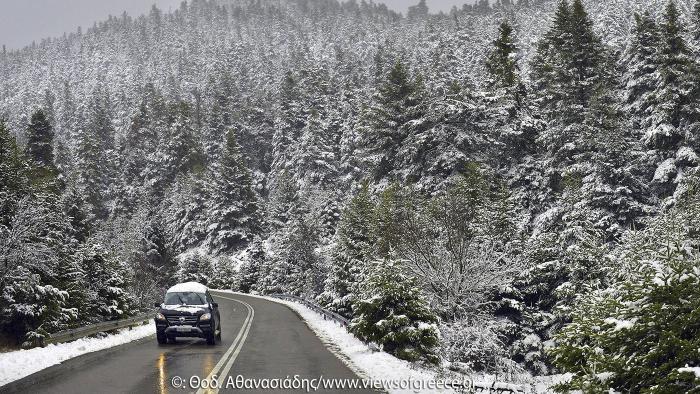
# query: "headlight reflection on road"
{"points": [[162, 378], [208, 364]]}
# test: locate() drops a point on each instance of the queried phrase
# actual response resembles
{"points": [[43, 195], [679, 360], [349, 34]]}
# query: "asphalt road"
{"points": [[260, 340]]}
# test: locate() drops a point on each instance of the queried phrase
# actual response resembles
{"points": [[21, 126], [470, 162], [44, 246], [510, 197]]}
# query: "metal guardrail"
{"points": [[92, 329], [327, 315]]}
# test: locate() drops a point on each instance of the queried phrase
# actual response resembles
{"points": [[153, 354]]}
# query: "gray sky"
{"points": [[24, 21]]}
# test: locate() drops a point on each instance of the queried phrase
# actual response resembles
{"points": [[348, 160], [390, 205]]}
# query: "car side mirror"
{"points": [[157, 304], [215, 304]]}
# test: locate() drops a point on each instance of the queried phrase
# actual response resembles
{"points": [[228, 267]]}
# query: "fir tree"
{"points": [[40, 140], [91, 178], [40, 137], [675, 85], [194, 266], [106, 280], [13, 178], [397, 104], [391, 313], [355, 245], [642, 65], [315, 156], [501, 62], [234, 216]]}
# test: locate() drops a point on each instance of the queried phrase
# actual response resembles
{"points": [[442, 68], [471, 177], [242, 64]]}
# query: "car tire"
{"points": [[211, 339], [218, 334], [162, 339]]}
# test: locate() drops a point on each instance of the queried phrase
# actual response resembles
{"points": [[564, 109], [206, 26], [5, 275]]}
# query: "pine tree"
{"points": [[391, 313], [34, 247], [234, 216], [298, 252], [182, 152], [568, 67]]}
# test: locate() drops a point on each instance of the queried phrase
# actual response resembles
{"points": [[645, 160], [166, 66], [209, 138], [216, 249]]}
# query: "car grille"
{"points": [[189, 320]]}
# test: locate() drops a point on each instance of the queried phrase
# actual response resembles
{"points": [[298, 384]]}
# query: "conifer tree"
{"points": [[676, 71], [234, 216], [398, 102], [90, 177], [315, 156], [40, 137], [354, 251], [642, 65], [40, 140], [13, 170], [696, 25], [391, 312], [509, 109], [501, 62]]}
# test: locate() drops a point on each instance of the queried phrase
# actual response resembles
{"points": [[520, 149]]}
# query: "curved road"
{"points": [[260, 340]]}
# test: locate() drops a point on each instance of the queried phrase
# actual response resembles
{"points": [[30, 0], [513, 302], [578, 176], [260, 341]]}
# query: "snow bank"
{"points": [[21, 363]]}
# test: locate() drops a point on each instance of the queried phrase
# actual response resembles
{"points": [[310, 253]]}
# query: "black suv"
{"points": [[188, 311]]}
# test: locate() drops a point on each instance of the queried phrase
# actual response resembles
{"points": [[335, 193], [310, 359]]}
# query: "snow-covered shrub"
{"points": [[392, 313], [474, 343]]}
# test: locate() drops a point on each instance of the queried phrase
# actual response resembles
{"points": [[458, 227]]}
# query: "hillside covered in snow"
{"points": [[509, 187]]}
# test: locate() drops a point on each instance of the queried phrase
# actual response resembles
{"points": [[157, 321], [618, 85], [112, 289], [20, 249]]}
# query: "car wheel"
{"points": [[218, 334], [211, 339], [162, 339]]}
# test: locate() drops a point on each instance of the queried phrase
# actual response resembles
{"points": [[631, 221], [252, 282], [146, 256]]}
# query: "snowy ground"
{"points": [[21, 363], [383, 366]]}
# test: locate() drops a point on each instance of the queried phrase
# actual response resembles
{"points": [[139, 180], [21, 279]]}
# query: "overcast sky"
{"points": [[24, 21]]}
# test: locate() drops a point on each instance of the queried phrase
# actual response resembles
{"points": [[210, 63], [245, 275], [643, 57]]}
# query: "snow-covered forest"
{"points": [[510, 187]]}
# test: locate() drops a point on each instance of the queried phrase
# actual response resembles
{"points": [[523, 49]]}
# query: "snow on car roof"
{"points": [[188, 287]]}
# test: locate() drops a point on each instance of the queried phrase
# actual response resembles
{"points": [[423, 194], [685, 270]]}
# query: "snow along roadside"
{"points": [[20, 363], [365, 362]]}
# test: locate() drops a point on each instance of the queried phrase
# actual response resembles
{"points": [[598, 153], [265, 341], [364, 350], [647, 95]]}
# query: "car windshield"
{"points": [[185, 298]]}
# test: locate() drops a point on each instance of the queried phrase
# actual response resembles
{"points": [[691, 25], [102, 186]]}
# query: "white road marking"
{"points": [[234, 349]]}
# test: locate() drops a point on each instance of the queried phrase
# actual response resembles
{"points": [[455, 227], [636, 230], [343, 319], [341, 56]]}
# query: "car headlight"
{"points": [[159, 316], [205, 316]]}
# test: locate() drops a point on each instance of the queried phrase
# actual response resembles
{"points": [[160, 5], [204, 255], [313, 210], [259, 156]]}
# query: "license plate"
{"points": [[183, 328]]}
